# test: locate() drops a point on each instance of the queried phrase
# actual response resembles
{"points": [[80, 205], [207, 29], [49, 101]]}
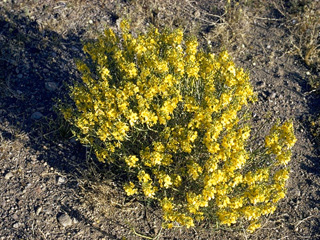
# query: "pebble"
{"points": [[75, 49], [51, 86], [36, 115], [16, 225], [38, 210], [272, 95], [197, 14], [261, 84], [8, 175], [65, 220], [26, 188], [15, 216], [61, 180]]}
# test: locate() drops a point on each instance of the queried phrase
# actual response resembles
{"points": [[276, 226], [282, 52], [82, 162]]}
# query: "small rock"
{"points": [[197, 14], [272, 95], [38, 210], [51, 86], [75, 49], [73, 140], [15, 216], [47, 210], [61, 180], [261, 84], [36, 115], [8, 175], [16, 225], [65, 220]]}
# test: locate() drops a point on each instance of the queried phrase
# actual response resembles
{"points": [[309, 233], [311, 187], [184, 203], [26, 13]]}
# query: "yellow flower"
{"points": [[131, 160], [158, 146], [194, 170], [177, 180], [105, 73], [132, 117], [166, 205], [162, 67], [164, 179], [281, 175], [256, 196], [131, 71], [140, 49], [156, 158], [223, 201], [227, 217], [130, 189], [253, 226], [236, 202], [284, 157], [231, 69], [191, 47], [192, 71], [143, 176], [124, 25], [224, 56], [279, 196], [178, 36], [149, 190]]}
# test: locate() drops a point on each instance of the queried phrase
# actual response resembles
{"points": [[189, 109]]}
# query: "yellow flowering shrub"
{"points": [[169, 114]]}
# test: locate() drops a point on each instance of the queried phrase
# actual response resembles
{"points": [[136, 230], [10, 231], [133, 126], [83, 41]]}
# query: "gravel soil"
{"points": [[52, 188]]}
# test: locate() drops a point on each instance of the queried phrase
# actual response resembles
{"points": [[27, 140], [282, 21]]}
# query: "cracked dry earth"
{"points": [[50, 188]]}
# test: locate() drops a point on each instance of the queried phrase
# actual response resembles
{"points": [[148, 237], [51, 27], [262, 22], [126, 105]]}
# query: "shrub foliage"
{"points": [[170, 116]]}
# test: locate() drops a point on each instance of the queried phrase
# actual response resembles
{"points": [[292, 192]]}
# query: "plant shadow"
{"points": [[36, 67]]}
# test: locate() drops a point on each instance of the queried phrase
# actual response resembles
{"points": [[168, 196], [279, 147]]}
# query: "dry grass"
{"points": [[302, 20], [303, 23]]}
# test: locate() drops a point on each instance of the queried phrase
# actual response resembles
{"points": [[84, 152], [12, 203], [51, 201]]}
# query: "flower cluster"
{"points": [[169, 113], [280, 141]]}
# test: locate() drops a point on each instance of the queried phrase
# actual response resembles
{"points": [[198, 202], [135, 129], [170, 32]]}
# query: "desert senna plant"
{"points": [[170, 116]]}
